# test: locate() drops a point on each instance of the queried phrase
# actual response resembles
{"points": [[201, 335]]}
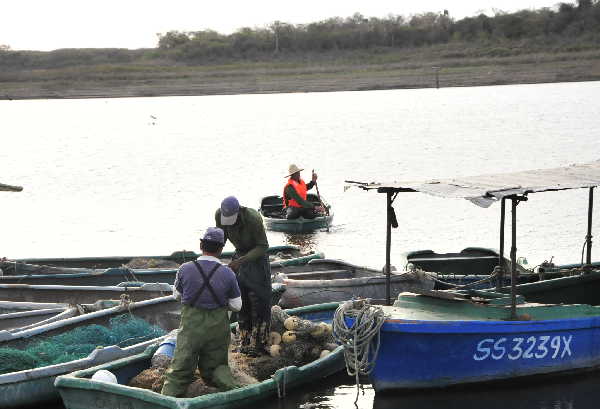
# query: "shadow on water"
{"points": [[569, 392]]}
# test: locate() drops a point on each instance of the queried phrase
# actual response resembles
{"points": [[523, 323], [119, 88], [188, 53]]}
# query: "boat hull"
{"points": [[307, 292], [417, 354], [116, 275], [78, 392], [299, 225]]}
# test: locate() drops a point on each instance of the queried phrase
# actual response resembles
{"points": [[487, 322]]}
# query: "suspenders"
{"points": [[206, 285]]}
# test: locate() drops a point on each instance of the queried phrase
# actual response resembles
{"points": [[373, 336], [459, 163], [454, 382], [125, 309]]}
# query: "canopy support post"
{"points": [[388, 247], [588, 238], [513, 256], [501, 265]]}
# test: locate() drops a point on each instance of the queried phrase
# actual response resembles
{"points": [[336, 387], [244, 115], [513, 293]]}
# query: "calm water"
{"points": [[144, 176]]}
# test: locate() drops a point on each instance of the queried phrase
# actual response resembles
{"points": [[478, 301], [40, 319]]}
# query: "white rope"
{"points": [[361, 340]]}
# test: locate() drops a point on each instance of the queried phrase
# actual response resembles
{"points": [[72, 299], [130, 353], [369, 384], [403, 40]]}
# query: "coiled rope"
{"points": [[361, 340]]}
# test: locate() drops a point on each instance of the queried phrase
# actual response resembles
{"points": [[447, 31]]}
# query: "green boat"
{"points": [[271, 208], [78, 391], [84, 263]]}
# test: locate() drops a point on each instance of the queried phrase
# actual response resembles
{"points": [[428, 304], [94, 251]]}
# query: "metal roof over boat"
{"points": [[484, 190], [9, 188]]}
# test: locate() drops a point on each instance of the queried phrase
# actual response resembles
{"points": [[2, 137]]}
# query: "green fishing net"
{"points": [[123, 330]]}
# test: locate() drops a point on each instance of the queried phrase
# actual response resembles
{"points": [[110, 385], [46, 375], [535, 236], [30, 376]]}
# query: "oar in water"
{"points": [[321, 201]]}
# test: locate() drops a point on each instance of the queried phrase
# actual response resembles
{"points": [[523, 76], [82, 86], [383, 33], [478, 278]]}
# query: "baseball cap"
{"points": [[230, 208], [214, 234]]}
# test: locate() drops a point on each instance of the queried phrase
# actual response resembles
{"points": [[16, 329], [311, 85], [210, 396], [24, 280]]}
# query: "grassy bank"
{"points": [[460, 65]]}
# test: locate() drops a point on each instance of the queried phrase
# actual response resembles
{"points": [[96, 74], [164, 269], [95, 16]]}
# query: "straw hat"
{"points": [[293, 169]]}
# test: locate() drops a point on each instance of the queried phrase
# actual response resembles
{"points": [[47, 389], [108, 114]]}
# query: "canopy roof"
{"points": [[9, 188], [485, 189]]}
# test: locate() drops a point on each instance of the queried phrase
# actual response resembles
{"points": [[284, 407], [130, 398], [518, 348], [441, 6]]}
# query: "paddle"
{"points": [[322, 204]]}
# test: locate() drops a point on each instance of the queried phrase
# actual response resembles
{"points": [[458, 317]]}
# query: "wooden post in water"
{"points": [[437, 76], [388, 247], [588, 260], [500, 278]]}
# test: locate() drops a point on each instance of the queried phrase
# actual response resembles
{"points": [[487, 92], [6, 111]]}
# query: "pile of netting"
{"points": [[293, 341], [142, 262], [123, 330]]}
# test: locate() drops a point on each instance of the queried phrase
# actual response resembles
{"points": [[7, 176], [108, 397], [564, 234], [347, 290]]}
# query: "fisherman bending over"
{"points": [[244, 228]]}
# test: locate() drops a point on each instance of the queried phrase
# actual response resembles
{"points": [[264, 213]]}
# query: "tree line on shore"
{"points": [[563, 23], [394, 31]]}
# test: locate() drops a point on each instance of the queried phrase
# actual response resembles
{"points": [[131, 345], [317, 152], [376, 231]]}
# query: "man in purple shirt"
{"points": [[207, 289]]}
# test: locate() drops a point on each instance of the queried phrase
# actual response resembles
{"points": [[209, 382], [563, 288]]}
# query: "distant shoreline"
{"points": [[410, 69]]}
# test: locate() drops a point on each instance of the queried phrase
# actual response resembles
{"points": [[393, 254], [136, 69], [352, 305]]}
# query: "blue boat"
{"points": [[443, 338], [431, 342]]}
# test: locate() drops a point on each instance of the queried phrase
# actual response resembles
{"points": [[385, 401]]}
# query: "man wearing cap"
{"points": [[207, 290], [244, 228], [294, 195]]}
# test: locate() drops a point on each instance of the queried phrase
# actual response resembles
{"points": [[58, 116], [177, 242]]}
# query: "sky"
{"points": [[50, 24]]}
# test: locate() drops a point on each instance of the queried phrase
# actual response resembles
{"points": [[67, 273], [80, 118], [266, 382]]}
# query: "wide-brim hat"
{"points": [[293, 169]]}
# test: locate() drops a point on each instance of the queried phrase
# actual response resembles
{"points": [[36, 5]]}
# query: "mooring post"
{"points": [[437, 76], [501, 265], [388, 247], [588, 238]]}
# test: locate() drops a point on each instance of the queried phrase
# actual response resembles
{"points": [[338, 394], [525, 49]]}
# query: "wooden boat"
{"points": [[583, 287], [14, 315], [429, 342], [116, 275], [336, 280], [451, 338], [271, 208], [81, 264], [472, 267], [36, 386], [77, 389], [78, 294]]}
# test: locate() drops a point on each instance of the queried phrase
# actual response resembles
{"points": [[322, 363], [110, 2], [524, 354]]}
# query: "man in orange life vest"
{"points": [[294, 195]]}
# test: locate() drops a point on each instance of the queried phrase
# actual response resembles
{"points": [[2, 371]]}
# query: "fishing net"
{"points": [[294, 341], [123, 330], [142, 262]]}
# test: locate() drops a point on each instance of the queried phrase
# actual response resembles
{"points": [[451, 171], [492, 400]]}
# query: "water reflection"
{"points": [[576, 392], [307, 241], [566, 392]]}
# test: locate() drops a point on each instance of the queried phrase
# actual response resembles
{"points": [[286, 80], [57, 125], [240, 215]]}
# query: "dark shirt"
{"points": [[247, 234], [189, 281]]}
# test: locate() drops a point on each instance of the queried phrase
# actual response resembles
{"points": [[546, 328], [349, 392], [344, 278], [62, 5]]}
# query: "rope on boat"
{"points": [[360, 341], [474, 283]]}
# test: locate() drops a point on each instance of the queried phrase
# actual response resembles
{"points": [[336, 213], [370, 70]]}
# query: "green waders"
{"points": [[202, 342]]}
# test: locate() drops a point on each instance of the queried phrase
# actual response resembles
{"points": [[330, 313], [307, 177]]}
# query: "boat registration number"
{"points": [[556, 347]]}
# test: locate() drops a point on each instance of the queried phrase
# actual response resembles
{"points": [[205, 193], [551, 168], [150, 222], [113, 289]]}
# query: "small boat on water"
{"points": [[14, 315], [78, 390], [443, 338], [36, 386], [437, 340], [334, 281], [285, 254], [271, 208], [116, 275], [472, 266], [79, 294]]}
